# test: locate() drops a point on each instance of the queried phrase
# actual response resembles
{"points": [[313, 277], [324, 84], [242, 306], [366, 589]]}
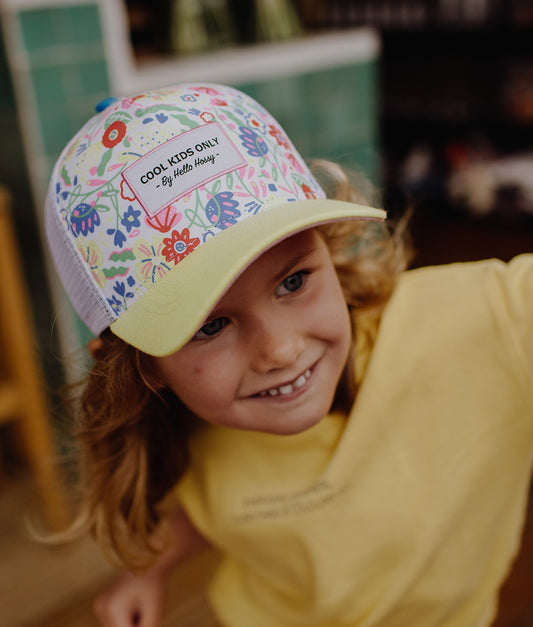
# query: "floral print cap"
{"points": [[145, 189]]}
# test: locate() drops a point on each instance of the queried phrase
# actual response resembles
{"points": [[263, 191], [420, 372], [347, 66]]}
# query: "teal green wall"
{"points": [[68, 69]]}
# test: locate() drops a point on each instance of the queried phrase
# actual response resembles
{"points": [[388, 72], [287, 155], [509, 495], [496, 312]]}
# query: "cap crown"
{"points": [[151, 178]]}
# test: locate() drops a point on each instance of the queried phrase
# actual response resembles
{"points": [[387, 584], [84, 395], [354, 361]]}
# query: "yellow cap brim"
{"points": [[171, 312]]}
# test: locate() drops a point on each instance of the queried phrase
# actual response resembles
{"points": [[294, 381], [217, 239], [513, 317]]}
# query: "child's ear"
{"points": [[95, 347]]}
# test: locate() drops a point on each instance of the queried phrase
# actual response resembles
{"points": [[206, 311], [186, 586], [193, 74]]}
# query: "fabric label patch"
{"points": [[181, 165]]}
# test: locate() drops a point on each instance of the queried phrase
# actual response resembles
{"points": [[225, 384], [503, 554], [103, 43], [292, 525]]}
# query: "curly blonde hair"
{"points": [[133, 438]]}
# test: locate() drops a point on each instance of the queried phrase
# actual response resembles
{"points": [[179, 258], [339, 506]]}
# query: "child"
{"points": [[355, 440]]}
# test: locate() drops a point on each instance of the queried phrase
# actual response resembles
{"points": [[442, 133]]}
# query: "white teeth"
{"points": [[299, 382], [289, 387]]}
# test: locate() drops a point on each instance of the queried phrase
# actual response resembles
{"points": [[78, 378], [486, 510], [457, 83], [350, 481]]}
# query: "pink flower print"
{"points": [[125, 191], [164, 220], [294, 162], [218, 102], [179, 245], [92, 255], [150, 266]]}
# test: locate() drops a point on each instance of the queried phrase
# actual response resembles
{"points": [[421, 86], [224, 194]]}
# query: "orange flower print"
{"points": [[179, 245]]}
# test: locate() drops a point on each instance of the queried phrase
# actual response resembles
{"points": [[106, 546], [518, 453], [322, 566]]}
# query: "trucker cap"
{"points": [[163, 199]]}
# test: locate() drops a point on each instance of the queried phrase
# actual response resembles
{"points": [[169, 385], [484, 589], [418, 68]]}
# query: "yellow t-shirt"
{"points": [[408, 512]]}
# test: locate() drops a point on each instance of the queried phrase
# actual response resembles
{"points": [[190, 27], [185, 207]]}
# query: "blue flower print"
{"points": [[221, 210], [130, 219], [115, 305], [84, 219], [120, 289], [81, 149], [252, 207], [118, 237], [59, 193], [255, 146]]}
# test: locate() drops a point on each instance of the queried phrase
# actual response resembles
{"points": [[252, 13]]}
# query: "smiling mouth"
{"points": [[287, 388]]}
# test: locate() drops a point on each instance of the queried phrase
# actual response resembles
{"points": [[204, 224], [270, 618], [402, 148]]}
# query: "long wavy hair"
{"points": [[133, 438]]}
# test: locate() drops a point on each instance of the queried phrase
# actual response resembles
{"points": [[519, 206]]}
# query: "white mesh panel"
{"points": [[77, 280]]}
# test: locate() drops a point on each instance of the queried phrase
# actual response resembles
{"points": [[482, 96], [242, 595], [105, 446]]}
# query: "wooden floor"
{"points": [[45, 586]]}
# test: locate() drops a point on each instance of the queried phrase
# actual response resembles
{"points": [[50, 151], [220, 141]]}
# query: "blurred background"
{"points": [[430, 100]]}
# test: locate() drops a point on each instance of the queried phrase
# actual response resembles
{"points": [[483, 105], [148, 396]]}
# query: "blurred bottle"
{"points": [[201, 25]]}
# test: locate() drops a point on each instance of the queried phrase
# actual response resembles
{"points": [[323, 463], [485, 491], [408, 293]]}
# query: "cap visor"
{"points": [[170, 313]]}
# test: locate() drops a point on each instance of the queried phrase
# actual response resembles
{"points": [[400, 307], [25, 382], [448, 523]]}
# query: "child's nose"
{"points": [[276, 344]]}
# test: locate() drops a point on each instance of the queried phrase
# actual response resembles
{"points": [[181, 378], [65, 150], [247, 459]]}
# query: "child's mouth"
{"points": [[287, 388]]}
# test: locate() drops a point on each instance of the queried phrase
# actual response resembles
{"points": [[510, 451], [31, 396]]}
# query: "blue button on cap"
{"points": [[103, 104]]}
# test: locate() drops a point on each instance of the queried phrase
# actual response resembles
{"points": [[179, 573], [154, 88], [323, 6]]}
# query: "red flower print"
{"points": [[309, 193], [164, 220], [179, 245], [114, 134], [207, 117], [278, 135], [125, 191]]}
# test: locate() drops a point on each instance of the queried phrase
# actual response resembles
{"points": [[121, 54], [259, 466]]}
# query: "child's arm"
{"points": [[137, 600]]}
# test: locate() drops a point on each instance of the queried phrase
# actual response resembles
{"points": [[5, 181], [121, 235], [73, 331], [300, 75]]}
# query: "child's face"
{"points": [[270, 356]]}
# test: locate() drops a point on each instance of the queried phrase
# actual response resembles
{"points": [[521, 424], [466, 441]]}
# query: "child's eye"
{"points": [[211, 328], [292, 283]]}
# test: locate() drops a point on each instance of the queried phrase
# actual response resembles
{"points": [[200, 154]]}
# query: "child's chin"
{"points": [[293, 427]]}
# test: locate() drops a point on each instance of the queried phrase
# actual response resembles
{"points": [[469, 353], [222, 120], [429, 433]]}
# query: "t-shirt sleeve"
{"points": [[513, 300]]}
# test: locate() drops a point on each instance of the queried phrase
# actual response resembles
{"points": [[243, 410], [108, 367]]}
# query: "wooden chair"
{"points": [[22, 398]]}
